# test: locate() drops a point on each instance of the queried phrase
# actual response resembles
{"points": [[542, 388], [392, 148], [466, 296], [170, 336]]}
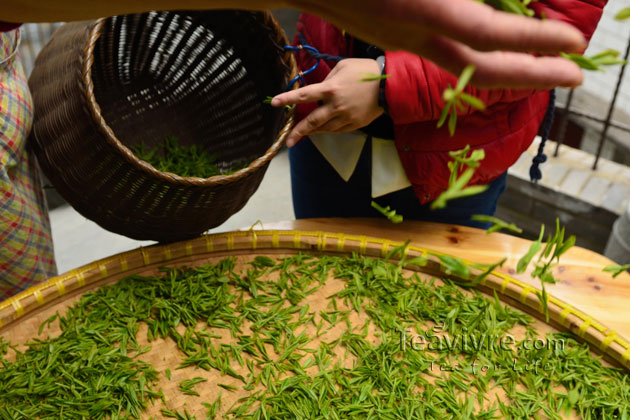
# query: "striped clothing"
{"points": [[26, 251]]}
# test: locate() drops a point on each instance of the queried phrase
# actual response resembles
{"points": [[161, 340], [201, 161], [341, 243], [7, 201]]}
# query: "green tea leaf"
{"points": [[497, 224], [623, 14], [604, 54], [417, 261], [616, 269], [488, 270], [452, 122], [472, 101], [584, 62], [460, 154], [544, 300], [372, 77], [564, 247], [604, 58], [457, 183], [534, 248], [516, 7], [263, 261], [470, 191], [444, 115], [454, 265], [465, 77], [449, 95], [608, 58], [387, 212], [573, 396], [473, 161]]}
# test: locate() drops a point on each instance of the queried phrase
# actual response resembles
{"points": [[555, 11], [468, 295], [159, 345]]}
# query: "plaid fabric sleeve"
{"points": [[26, 252]]}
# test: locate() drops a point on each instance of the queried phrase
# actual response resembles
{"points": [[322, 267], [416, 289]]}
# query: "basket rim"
{"points": [[94, 30]]}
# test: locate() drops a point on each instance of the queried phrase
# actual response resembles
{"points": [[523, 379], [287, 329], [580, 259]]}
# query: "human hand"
{"points": [[347, 102], [455, 33]]}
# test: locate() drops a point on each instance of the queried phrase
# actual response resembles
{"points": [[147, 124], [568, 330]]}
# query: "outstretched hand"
{"points": [[455, 33], [347, 103]]}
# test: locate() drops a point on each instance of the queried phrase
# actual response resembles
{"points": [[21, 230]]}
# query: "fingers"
{"points": [[310, 124], [309, 93], [485, 28], [524, 71], [499, 69], [405, 24], [415, 25], [332, 126]]}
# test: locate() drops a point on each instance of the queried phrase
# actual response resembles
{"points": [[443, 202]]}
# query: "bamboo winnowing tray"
{"points": [[21, 316]]}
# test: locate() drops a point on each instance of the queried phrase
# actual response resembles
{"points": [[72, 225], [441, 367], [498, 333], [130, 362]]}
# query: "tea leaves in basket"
{"points": [[185, 161]]}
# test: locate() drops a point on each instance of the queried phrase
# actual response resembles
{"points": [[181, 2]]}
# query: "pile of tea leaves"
{"points": [[307, 338], [185, 161]]}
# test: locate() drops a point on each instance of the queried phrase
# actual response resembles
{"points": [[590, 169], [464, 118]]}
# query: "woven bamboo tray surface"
{"points": [[104, 86], [22, 316], [581, 281]]}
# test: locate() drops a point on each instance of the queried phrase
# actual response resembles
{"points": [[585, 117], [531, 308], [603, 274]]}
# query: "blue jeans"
{"points": [[319, 191]]}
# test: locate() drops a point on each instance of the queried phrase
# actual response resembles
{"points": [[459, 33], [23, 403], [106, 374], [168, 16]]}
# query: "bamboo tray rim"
{"points": [[606, 340]]}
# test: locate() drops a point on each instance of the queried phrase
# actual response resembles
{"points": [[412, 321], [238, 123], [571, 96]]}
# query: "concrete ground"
{"points": [[79, 241]]}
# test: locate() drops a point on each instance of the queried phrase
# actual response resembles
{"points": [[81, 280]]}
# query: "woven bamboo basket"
{"points": [[21, 316], [103, 86]]}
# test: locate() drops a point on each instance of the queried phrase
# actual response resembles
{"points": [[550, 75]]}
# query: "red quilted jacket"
{"points": [[414, 96]]}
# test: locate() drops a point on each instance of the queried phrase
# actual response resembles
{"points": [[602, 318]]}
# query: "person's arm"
{"points": [[415, 86], [452, 33]]}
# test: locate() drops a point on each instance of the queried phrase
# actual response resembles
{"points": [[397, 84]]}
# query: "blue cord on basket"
{"points": [[313, 52]]}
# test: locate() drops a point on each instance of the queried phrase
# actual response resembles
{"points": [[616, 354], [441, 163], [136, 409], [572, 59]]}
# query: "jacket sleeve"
{"points": [[414, 88]]}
